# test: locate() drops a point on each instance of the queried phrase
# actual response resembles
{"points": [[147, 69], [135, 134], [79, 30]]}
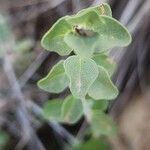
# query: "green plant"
{"points": [[89, 34]]}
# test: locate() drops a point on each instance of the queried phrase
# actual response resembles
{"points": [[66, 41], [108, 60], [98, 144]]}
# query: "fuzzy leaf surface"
{"points": [[82, 46], [106, 62], [56, 80], [53, 40], [52, 110], [72, 110], [111, 32], [82, 72], [103, 88]]}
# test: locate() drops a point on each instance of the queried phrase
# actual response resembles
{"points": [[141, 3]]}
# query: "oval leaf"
{"points": [[82, 72], [56, 80], [111, 32], [103, 88], [53, 40], [106, 62], [52, 110], [72, 110], [82, 46], [85, 21]]}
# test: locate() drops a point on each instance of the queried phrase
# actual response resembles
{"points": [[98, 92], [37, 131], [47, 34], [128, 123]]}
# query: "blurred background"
{"points": [[23, 62]]}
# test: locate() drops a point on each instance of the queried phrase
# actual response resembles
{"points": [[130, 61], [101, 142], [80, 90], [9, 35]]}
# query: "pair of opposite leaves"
{"points": [[85, 76], [109, 33], [81, 69], [71, 110]]}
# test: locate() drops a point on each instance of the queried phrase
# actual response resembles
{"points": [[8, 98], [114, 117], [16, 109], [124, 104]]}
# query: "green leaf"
{"points": [[82, 72], [101, 124], [53, 40], [93, 144], [92, 104], [82, 46], [72, 110], [52, 110], [111, 33], [85, 21], [98, 105], [69, 110], [56, 80], [103, 88], [102, 9], [106, 62], [92, 20]]}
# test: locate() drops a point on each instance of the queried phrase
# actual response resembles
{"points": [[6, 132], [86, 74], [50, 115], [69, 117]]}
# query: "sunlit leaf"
{"points": [[72, 110], [83, 46], [86, 21], [103, 88], [82, 72], [97, 19], [53, 40], [110, 32], [52, 110], [56, 80], [106, 62]]}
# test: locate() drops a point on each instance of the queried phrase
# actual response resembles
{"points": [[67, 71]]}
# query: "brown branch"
{"points": [[21, 113]]}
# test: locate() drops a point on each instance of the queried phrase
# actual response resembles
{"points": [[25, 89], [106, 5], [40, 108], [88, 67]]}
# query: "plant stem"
{"points": [[86, 109]]}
